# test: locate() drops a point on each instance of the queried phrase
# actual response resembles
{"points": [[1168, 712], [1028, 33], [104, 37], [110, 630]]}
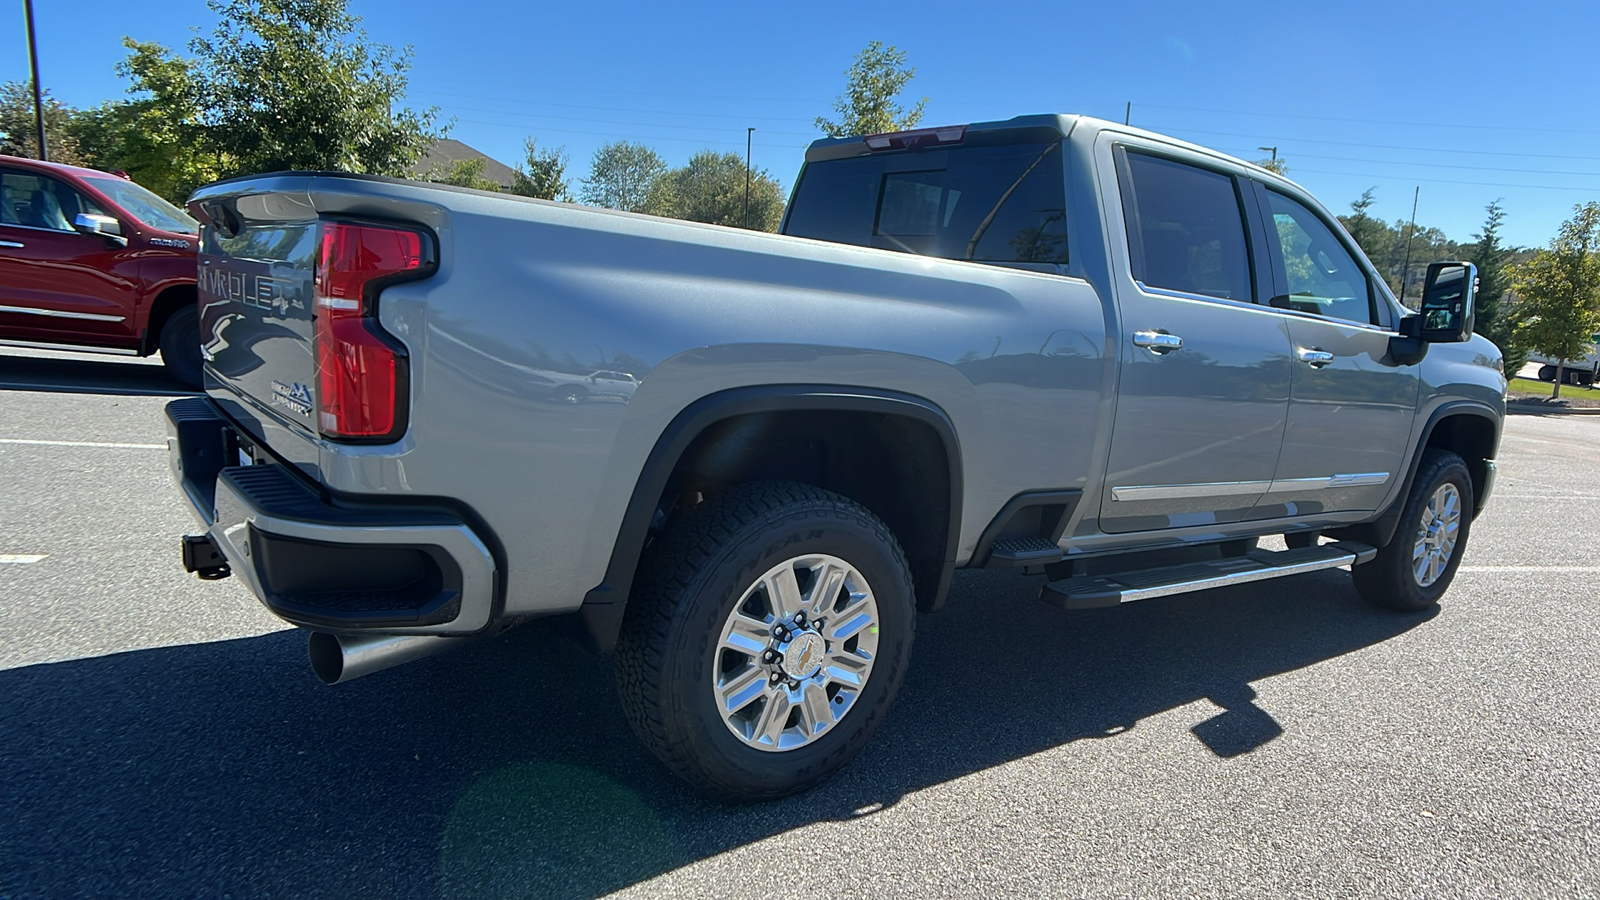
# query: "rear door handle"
{"points": [[16, 244], [1314, 358], [1157, 342]]}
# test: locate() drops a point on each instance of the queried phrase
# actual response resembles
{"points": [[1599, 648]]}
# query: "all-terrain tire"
{"points": [[1393, 580], [180, 347], [688, 585]]}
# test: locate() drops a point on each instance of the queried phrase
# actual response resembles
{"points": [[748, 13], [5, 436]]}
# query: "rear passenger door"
{"points": [[1351, 408], [1203, 391]]}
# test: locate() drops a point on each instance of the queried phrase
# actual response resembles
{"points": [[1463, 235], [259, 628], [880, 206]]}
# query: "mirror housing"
{"points": [[1447, 302], [1408, 348], [96, 224]]}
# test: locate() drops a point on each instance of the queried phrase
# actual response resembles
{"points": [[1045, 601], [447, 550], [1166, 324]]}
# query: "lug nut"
{"points": [[777, 632], [777, 677], [769, 656], [800, 618]]}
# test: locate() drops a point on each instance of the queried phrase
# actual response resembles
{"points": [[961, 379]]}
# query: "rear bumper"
{"points": [[321, 564]]}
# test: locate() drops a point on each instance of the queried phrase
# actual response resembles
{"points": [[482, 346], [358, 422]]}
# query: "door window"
{"points": [[1185, 229], [35, 201], [1321, 275]]}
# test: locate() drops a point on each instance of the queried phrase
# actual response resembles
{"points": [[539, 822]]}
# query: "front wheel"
{"points": [[768, 634], [1415, 568], [180, 347]]}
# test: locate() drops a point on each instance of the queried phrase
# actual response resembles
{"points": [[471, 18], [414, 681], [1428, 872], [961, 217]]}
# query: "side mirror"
{"points": [[1447, 302], [96, 224]]}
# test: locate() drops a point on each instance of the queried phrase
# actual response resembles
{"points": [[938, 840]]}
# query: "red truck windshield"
{"points": [[147, 206], [997, 204]]}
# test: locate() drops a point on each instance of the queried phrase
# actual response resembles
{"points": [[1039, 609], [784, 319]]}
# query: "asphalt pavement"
{"points": [[164, 737]]}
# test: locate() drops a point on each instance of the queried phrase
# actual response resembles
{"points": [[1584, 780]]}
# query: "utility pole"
{"points": [[38, 93], [1411, 232], [748, 134], [1127, 113]]}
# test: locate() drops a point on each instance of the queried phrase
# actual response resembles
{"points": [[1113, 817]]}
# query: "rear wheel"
{"points": [[572, 394], [180, 347], [1547, 373], [1416, 567], [767, 636]]}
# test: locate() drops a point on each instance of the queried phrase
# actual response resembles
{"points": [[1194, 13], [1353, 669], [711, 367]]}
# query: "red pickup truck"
{"points": [[90, 260]]}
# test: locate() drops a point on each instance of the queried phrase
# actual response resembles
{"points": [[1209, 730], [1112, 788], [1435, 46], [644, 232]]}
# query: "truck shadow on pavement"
{"points": [[507, 769], [108, 375]]}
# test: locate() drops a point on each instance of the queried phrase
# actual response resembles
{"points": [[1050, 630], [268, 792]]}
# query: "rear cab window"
{"points": [[999, 203]]}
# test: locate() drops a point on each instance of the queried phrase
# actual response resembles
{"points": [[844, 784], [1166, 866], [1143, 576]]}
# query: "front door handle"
{"points": [[16, 244], [1157, 342], [1314, 358]]}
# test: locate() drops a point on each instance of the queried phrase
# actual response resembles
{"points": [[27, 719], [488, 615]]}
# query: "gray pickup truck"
{"points": [[1082, 350]]}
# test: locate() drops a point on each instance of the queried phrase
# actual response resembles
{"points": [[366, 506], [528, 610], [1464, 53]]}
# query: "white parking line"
{"points": [[103, 444], [1571, 570], [21, 559]]}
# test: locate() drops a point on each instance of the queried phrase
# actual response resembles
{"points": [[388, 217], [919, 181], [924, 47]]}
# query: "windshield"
{"points": [[145, 206]]}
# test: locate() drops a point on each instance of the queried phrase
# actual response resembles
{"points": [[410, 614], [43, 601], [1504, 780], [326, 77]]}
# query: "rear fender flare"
{"points": [[603, 606]]}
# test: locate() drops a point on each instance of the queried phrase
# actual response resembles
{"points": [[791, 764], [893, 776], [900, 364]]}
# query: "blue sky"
{"points": [[1470, 101]]}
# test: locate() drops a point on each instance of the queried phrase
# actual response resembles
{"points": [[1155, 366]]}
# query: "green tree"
{"points": [[1274, 164], [868, 104], [467, 173], [1495, 319], [1560, 291], [543, 174], [711, 188], [19, 133], [1370, 234], [157, 137], [622, 176], [278, 84]]}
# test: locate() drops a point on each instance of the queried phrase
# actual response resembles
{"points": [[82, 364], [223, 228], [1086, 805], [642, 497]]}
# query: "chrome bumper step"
{"points": [[1097, 591]]}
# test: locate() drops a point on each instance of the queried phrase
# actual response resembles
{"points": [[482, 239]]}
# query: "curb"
{"points": [[1519, 409]]}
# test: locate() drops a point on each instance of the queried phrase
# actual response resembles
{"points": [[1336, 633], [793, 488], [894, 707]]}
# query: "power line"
{"points": [[1287, 141], [1474, 126], [790, 119], [535, 117], [1408, 179]]}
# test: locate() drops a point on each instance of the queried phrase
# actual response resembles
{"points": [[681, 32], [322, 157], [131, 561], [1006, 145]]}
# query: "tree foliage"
{"points": [[1274, 164], [1385, 244], [543, 173], [711, 188], [868, 104], [19, 133], [467, 173], [1560, 291], [278, 84], [622, 176], [1495, 319]]}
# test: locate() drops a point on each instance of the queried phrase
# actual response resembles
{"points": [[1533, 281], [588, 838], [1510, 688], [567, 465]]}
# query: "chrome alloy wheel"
{"points": [[796, 652], [1436, 535]]}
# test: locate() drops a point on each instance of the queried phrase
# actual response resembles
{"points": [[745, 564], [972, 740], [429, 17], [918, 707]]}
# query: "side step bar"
{"points": [[1099, 591]]}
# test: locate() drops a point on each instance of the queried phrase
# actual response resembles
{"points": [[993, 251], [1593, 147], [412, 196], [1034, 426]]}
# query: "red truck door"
{"points": [[57, 285]]}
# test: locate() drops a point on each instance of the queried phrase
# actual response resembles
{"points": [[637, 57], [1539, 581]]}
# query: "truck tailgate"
{"points": [[257, 303]]}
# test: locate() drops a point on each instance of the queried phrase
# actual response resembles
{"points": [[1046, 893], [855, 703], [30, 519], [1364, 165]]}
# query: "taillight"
{"points": [[361, 371]]}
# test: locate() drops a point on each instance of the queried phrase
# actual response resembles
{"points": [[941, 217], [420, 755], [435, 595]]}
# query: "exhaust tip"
{"points": [[327, 657]]}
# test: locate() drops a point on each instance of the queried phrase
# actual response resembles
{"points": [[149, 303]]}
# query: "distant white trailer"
{"points": [[1585, 370]]}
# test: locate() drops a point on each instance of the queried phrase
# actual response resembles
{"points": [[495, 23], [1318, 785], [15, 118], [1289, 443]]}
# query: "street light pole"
{"points": [[38, 93], [749, 134], [1274, 152]]}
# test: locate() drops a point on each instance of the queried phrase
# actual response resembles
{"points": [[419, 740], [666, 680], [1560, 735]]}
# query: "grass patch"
{"points": [[1543, 388]]}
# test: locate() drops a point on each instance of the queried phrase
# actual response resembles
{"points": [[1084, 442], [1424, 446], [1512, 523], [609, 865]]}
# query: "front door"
{"points": [[1350, 411], [55, 283], [1203, 389]]}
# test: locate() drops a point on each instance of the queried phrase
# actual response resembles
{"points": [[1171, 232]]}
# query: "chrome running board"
{"points": [[1096, 591]]}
